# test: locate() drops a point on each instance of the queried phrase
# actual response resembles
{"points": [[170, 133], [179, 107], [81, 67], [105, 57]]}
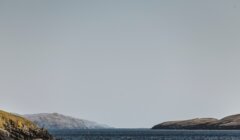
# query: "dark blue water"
{"points": [[147, 134]]}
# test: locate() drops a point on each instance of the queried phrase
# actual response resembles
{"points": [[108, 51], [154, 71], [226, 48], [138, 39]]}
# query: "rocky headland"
{"points": [[14, 127], [227, 123]]}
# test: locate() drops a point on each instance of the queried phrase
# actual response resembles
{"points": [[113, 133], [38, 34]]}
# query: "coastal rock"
{"points": [[59, 121], [14, 127], [229, 122]]}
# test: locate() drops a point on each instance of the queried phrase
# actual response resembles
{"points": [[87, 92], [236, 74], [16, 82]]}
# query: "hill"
{"points": [[59, 121], [226, 123]]}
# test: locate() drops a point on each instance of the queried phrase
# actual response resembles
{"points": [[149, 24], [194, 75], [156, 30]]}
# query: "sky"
{"points": [[124, 63]]}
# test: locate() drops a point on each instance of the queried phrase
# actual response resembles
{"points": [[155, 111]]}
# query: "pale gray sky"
{"points": [[125, 63]]}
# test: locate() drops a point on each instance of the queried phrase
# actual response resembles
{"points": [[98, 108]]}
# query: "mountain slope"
{"points": [[229, 122], [58, 121], [13, 127]]}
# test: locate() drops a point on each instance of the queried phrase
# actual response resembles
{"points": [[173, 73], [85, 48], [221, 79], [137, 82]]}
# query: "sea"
{"points": [[145, 134]]}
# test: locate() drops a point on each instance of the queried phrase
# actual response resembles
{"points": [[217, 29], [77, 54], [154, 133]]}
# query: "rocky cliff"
{"points": [[14, 127], [229, 122]]}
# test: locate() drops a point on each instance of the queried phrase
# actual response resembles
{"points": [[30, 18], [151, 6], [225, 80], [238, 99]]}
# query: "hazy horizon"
{"points": [[127, 64]]}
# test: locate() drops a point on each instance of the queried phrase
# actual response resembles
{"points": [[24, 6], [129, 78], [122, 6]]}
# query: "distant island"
{"points": [[227, 123], [59, 121]]}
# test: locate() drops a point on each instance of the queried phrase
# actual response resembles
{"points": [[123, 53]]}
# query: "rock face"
{"points": [[229, 122], [14, 127], [58, 121]]}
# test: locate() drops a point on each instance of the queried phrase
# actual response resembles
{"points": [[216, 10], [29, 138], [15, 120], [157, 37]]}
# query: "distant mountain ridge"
{"points": [[59, 121], [226, 123]]}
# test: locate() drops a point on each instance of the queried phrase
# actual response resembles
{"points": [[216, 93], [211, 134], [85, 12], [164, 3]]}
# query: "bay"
{"points": [[146, 134]]}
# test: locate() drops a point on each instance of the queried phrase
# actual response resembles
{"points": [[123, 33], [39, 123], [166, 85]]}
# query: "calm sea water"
{"points": [[147, 134]]}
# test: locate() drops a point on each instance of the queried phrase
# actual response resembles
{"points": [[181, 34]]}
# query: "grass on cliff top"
{"points": [[14, 120]]}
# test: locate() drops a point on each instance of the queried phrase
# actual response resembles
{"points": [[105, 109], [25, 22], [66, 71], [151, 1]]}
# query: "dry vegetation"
{"points": [[7, 119]]}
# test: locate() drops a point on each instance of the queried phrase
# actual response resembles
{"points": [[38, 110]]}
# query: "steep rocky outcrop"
{"points": [[229, 122], [14, 127], [58, 121]]}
